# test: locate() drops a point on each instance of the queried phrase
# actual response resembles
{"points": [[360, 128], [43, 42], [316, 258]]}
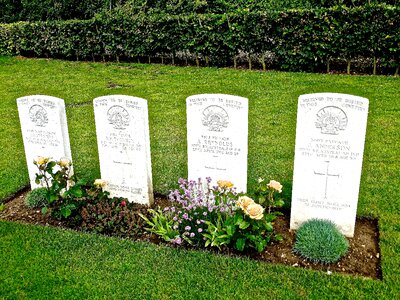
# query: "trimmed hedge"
{"points": [[301, 40], [44, 10]]}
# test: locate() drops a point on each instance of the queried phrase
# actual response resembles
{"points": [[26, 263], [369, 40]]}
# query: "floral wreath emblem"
{"points": [[331, 120], [38, 115], [215, 118], [118, 117]]}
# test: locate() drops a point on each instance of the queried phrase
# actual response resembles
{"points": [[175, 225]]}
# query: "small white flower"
{"points": [[62, 192], [100, 183], [64, 162]]}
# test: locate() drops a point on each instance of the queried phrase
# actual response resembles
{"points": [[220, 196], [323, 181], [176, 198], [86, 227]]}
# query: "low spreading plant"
{"points": [[320, 241], [114, 216], [36, 198], [212, 216]]}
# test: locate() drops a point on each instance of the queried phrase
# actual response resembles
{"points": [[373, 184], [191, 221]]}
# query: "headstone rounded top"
{"points": [[334, 95], [216, 95], [43, 97], [119, 97]]}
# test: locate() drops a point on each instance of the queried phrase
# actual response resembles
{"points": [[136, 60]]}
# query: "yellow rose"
{"points": [[64, 162], [225, 184], [70, 184], [41, 160], [100, 183], [255, 211], [275, 185], [244, 201]]}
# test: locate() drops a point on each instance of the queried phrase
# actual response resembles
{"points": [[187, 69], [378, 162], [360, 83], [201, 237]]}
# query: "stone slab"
{"points": [[217, 135], [122, 127], [330, 136], [44, 130]]}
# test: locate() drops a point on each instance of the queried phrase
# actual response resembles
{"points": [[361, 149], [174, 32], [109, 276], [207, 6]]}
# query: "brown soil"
{"points": [[363, 258]]}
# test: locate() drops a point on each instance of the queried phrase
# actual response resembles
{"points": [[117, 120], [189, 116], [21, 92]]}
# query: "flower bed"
{"points": [[194, 216]]}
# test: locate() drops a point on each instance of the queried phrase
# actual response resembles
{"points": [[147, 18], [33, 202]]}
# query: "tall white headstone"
{"points": [[330, 138], [122, 127], [217, 133], [44, 130]]}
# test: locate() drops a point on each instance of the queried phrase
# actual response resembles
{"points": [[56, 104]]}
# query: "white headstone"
{"points": [[122, 126], [330, 137], [217, 138], [44, 130]]}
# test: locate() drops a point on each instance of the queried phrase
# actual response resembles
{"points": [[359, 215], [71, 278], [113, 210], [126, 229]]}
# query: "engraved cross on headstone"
{"points": [[327, 175]]}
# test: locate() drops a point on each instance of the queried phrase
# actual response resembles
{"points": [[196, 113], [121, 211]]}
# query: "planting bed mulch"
{"points": [[363, 258]]}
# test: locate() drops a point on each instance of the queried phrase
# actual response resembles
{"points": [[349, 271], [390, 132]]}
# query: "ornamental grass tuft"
{"points": [[320, 241], [36, 198]]}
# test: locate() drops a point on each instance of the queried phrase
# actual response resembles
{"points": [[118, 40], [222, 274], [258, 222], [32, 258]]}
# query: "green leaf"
{"points": [[65, 211], [244, 224], [76, 191], [278, 237], [269, 227], [279, 203], [260, 245], [240, 243], [230, 230], [44, 210], [52, 198]]}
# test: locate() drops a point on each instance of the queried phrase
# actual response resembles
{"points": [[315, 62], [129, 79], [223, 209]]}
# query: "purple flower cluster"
{"points": [[193, 204]]}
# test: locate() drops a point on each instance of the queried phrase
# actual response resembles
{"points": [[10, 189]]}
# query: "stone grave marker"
{"points": [[217, 133], [330, 136], [122, 127], [44, 130]]}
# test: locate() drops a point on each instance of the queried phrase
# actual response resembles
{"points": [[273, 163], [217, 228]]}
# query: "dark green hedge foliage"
{"points": [[46, 10], [299, 39]]}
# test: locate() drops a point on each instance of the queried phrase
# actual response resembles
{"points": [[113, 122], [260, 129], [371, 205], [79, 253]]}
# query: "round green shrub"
{"points": [[320, 241], [36, 198]]}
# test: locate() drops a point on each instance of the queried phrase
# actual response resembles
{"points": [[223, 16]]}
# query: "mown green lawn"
{"points": [[40, 263]]}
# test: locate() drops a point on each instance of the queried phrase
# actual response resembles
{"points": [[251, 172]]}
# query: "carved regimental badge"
{"points": [[118, 117], [331, 120], [38, 115], [215, 118]]}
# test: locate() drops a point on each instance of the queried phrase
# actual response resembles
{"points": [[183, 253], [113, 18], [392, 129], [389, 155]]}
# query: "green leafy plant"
{"points": [[36, 198], [265, 194], [248, 227], [213, 217], [161, 225], [2, 207], [320, 241], [113, 216], [66, 195]]}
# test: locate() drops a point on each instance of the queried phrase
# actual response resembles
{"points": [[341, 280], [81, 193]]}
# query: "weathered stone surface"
{"points": [[330, 138], [44, 130], [122, 127], [217, 133]]}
